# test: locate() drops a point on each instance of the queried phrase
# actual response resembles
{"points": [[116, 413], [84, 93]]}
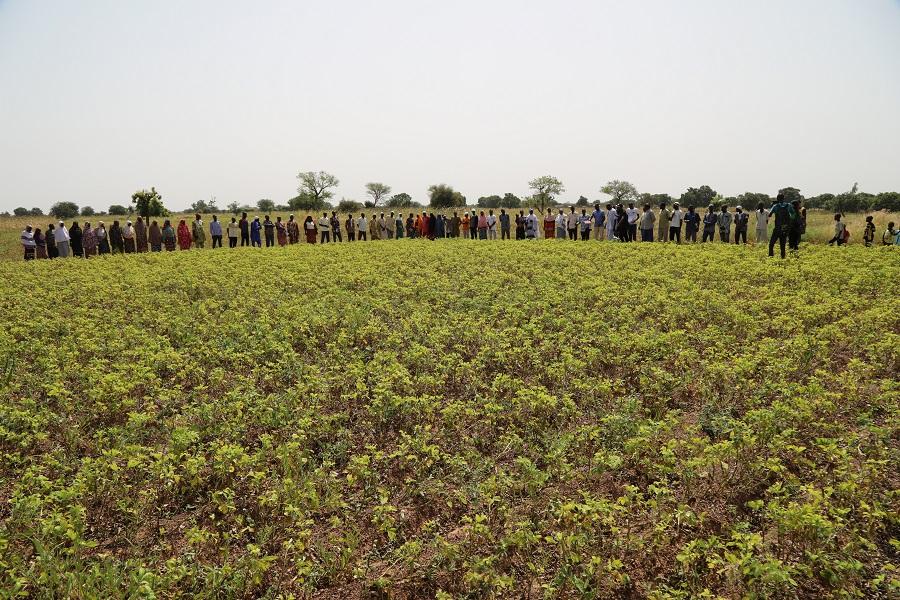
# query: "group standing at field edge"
{"points": [[615, 223]]}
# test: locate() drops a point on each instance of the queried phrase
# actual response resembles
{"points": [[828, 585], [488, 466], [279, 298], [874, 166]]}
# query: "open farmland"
{"points": [[454, 419]]}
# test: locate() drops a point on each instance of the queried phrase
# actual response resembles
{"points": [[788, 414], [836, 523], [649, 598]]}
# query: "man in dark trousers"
{"points": [[245, 230], [784, 215]]}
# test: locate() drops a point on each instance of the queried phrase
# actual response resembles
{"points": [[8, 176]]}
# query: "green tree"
{"points": [[546, 189], [622, 192], [307, 202], [444, 196], [316, 188], [791, 193], [87, 211], [378, 191], [64, 210], [510, 200], [234, 208], [752, 199], [582, 201], [348, 206], [887, 201], [701, 196], [490, 201], [149, 204], [117, 209], [656, 199], [401, 200], [265, 205], [20, 211], [36, 212]]}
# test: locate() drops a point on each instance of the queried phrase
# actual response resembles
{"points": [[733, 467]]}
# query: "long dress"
{"points": [[89, 242], [549, 227], [310, 228], [168, 238], [184, 236], [762, 225], [155, 238], [40, 245], [281, 233], [75, 241], [140, 235]]}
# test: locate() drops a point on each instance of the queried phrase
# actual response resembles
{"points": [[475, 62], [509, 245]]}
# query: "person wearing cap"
{"points": [[675, 223], [198, 233], [725, 219], [128, 237], [28, 243], [234, 232], [89, 241], [61, 234], [102, 238], [741, 219], [140, 235], [293, 230], [215, 232]]}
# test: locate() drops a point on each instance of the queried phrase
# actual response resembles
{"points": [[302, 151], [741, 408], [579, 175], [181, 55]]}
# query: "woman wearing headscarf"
{"points": [[89, 241], [115, 238], [102, 238], [155, 237], [52, 252], [281, 232], [40, 244], [75, 239], [168, 236], [128, 237], [140, 235], [417, 225], [309, 227], [184, 236]]}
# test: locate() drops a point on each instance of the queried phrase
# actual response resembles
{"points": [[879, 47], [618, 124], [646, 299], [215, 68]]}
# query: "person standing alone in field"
{"points": [[245, 230], [725, 219], [762, 223], [234, 232], [784, 215], [741, 220]]}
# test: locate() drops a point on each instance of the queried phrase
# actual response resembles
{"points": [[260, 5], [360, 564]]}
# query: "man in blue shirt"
{"points": [[599, 217]]}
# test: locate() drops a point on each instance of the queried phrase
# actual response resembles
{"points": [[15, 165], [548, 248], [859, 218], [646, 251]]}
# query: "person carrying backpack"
{"points": [[784, 215]]}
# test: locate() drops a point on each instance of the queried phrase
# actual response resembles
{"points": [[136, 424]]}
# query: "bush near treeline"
{"points": [[452, 419]]}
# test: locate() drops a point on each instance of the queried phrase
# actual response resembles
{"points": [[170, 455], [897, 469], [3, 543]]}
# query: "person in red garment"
{"points": [[184, 236]]}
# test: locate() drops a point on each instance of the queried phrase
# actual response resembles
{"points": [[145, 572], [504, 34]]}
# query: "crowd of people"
{"points": [[614, 222]]}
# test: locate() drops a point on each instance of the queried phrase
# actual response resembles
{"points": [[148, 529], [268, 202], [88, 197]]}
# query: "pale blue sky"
{"points": [[232, 99]]}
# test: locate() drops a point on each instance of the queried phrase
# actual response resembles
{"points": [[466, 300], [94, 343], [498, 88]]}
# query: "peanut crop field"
{"points": [[452, 419]]}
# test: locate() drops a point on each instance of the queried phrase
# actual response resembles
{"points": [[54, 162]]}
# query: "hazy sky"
{"points": [[231, 99]]}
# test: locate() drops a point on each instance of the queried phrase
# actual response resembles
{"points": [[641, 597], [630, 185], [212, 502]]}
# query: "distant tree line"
{"points": [[316, 189]]}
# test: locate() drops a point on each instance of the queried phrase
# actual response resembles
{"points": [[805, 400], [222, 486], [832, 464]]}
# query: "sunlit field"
{"points": [[452, 419]]}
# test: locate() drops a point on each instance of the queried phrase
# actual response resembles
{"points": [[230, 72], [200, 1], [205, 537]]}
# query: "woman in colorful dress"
{"points": [[168, 236], [184, 236], [155, 237], [40, 244], [549, 225], [281, 232], [309, 227], [89, 241]]}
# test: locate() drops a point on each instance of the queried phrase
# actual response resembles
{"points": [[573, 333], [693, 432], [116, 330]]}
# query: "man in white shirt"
{"points": [[675, 223], [611, 218], [62, 240], [531, 225], [324, 229], [572, 224], [632, 213], [492, 225], [362, 228], [560, 225]]}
